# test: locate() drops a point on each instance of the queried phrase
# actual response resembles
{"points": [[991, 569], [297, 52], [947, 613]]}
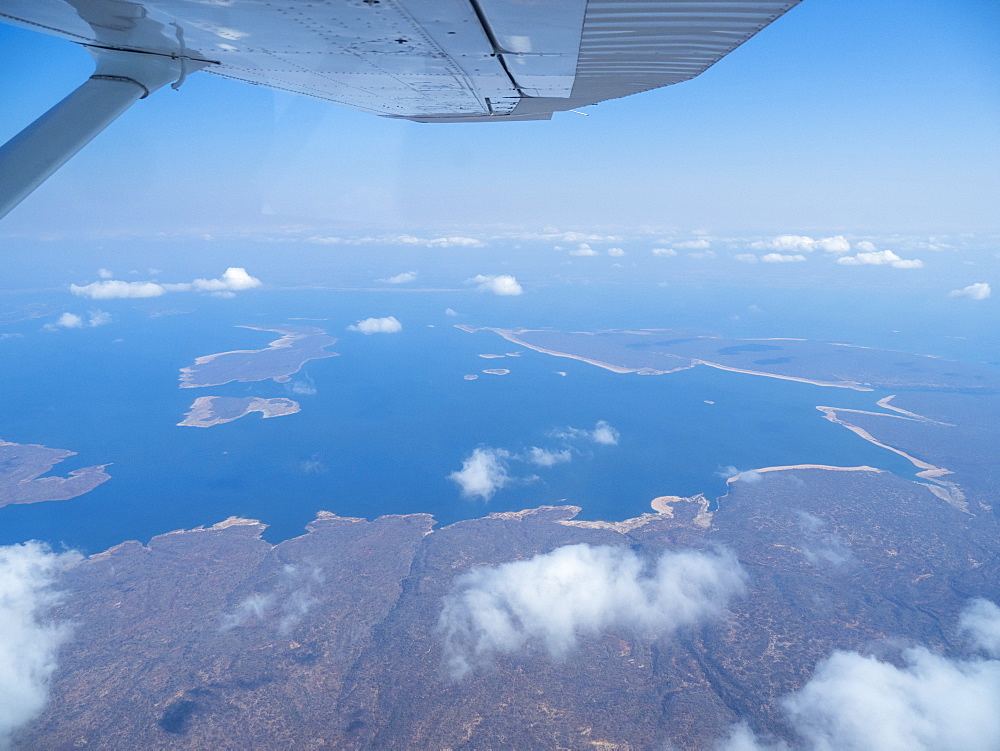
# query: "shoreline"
{"points": [[202, 412]]}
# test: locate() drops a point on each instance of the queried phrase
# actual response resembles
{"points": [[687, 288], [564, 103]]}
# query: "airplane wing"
{"points": [[423, 60]]}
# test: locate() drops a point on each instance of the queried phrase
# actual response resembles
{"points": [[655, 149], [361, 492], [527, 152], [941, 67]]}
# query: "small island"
{"points": [[21, 467], [497, 371], [216, 410], [278, 361]]}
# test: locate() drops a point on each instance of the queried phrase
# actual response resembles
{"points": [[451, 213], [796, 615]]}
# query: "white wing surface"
{"points": [[426, 60]]}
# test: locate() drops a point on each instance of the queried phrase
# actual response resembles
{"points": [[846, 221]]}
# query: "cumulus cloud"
{"points": [[921, 701], [576, 591], [113, 288], [980, 622], [663, 252], [782, 258], [546, 457], [73, 321], [404, 278], [602, 433], [804, 244], [232, 280], [977, 291], [29, 642], [504, 284], [387, 325], [583, 249], [450, 312], [880, 258], [104, 274], [701, 243], [483, 473], [454, 242], [616, 252]]}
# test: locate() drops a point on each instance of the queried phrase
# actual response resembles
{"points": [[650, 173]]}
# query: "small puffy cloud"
{"points": [[30, 642], [504, 284], [583, 249], [66, 321], [880, 258], [803, 244], [450, 312], [405, 278], [977, 291], [304, 387], [577, 591], [104, 274], [547, 458], [387, 325], [73, 321], [113, 288], [483, 473], [701, 243], [920, 702], [602, 433], [616, 252], [232, 280], [866, 246], [782, 258], [663, 252]]}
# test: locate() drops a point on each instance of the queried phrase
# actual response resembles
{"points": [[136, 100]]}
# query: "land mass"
{"points": [[831, 364], [278, 361], [216, 410], [21, 467]]}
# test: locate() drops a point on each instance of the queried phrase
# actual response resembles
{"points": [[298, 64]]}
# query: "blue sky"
{"points": [[842, 116]]}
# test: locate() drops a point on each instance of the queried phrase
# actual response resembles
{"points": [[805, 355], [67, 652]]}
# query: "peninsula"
{"points": [[21, 467]]}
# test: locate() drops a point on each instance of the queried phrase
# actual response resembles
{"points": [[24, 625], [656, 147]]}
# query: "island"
{"points": [[216, 410], [278, 361], [497, 371], [832, 364], [21, 467]]}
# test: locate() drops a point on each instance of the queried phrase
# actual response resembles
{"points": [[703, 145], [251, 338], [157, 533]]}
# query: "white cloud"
{"points": [[504, 284], [450, 312], [732, 473], [483, 473], [782, 258], [616, 252], [233, 280], [602, 433], [112, 288], [73, 321], [104, 274], [387, 325], [305, 387], [977, 291], [575, 591], [866, 246], [454, 242], [880, 258], [701, 243], [980, 621], [663, 252], [29, 643], [547, 458], [583, 250], [920, 702], [404, 278], [804, 244], [291, 599]]}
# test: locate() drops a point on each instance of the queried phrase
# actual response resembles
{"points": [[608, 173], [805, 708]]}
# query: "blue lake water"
{"points": [[390, 418]]}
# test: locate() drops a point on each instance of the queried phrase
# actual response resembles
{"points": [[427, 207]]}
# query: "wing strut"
{"points": [[121, 79]]}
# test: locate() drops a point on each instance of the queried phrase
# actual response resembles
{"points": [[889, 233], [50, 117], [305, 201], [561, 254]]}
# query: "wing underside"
{"points": [[425, 60]]}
